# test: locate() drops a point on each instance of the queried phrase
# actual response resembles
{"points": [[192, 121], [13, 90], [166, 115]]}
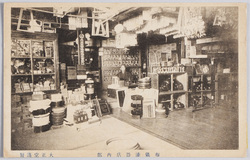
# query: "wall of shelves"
{"points": [[113, 58], [34, 58]]}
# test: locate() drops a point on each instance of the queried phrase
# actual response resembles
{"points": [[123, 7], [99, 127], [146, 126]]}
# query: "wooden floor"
{"points": [[211, 128], [90, 137]]}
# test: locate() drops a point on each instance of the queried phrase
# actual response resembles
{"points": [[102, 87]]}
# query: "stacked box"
{"points": [[71, 72], [26, 87], [52, 86], [36, 96], [136, 105], [40, 109], [18, 88]]}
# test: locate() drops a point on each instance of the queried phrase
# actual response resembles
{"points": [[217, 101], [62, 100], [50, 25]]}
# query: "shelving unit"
{"points": [[37, 55], [201, 89], [112, 60], [170, 94]]}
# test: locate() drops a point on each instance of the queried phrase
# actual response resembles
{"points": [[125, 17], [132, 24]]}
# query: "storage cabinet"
{"points": [[201, 89], [34, 58], [172, 89]]}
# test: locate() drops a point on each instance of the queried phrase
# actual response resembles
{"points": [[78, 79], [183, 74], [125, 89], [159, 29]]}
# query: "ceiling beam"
{"points": [[69, 15]]}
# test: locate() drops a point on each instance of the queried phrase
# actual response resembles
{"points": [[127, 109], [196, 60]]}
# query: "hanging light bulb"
{"points": [[118, 28]]}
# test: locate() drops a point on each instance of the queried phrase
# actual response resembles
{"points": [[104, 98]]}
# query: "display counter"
{"points": [[124, 97]]}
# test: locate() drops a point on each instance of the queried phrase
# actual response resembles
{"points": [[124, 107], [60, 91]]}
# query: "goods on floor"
{"points": [[87, 111], [41, 122], [41, 112], [57, 116], [58, 109]]}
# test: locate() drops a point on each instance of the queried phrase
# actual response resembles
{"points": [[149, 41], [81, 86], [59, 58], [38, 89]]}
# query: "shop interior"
{"points": [[88, 78]]}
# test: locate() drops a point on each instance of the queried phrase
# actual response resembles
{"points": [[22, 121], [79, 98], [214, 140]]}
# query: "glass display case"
{"points": [[34, 58]]}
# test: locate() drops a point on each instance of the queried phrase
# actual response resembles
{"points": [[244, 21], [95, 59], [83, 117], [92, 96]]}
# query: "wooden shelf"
{"points": [[22, 93], [171, 92], [202, 91], [30, 92], [109, 67], [91, 47], [156, 82], [176, 73], [24, 57], [43, 57], [199, 75], [51, 90], [198, 56], [223, 90], [14, 75], [166, 101], [44, 74], [52, 39], [208, 40]]}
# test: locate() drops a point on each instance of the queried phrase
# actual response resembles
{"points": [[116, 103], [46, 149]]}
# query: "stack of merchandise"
{"points": [[137, 105], [144, 83], [76, 96], [23, 87], [87, 111], [58, 110], [40, 108]]}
